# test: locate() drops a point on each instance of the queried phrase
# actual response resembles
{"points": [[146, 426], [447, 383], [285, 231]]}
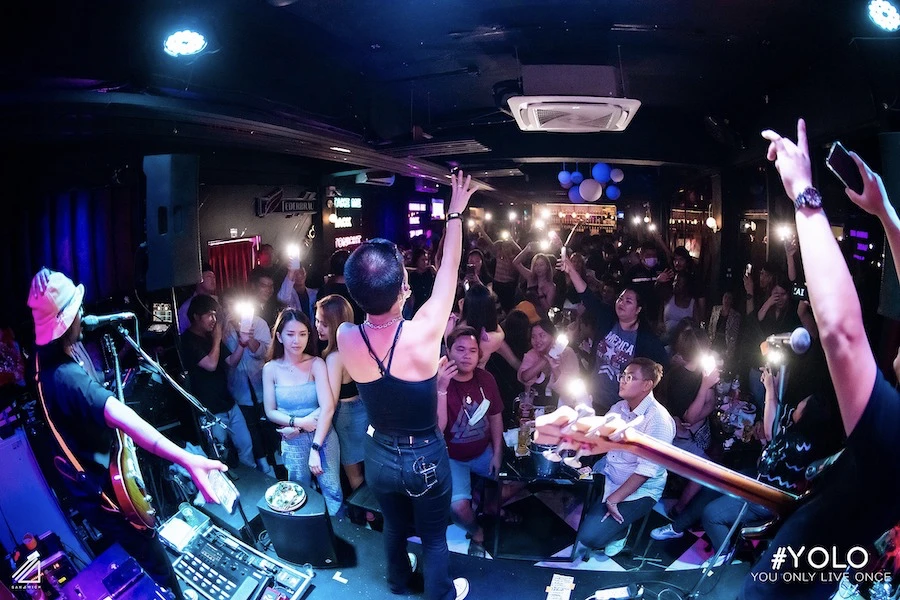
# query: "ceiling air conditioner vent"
{"points": [[572, 114]]}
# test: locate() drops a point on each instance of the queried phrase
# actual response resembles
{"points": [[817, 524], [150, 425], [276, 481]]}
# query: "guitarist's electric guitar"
{"points": [[127, 482], [587, 433]]}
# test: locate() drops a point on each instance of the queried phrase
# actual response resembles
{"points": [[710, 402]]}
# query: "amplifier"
{"points": [[221, 567]]}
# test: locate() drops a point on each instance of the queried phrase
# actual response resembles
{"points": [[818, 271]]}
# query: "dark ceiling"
{"points": [[301, 77]]}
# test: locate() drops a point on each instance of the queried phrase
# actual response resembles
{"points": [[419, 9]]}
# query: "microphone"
{"points": [[91, 322], [797, 340]]}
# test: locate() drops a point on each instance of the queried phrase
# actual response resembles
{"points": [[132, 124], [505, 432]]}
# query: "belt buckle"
{"points": [[412, 440]]}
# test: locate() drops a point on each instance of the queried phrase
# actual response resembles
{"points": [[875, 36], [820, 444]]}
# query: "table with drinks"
{"points": [[524, 462]]}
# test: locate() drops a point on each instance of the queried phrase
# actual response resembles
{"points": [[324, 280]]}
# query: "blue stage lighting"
{"points": [[184, 43], [884, 14]]}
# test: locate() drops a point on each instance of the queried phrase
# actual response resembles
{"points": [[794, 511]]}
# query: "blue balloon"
{"points": [[564, 177], [577, 177], [575, 195], [601, 172], [613, 192], [566, 186]]}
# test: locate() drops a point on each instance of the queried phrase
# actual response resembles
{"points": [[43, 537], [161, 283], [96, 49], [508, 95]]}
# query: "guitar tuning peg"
{"points": [[551, 455], [573, 461]]}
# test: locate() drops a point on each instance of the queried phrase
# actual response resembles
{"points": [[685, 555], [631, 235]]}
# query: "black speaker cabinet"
{"points": [[173, 220], [304, 535]]}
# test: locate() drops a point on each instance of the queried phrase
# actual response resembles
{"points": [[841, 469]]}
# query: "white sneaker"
{"points": [[666, 532], [462, 587], [413, 561], [614, 548]]}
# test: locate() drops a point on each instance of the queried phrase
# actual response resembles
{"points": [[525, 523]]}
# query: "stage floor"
{"points": [[501, 579], [361, 572]]}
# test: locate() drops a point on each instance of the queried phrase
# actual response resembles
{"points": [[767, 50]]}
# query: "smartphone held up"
{"points": [[844, 167]]}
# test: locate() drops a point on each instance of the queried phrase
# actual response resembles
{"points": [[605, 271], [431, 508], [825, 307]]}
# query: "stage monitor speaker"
{"points": [[252, 486], [889, 306], [173, 220], [304, 535]]}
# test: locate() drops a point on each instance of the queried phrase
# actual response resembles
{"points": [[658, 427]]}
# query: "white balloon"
{"points": [[590, 190], [617, 175]]}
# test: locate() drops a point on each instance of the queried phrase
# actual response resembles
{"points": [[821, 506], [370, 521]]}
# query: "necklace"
{"points": [[384, 325]]}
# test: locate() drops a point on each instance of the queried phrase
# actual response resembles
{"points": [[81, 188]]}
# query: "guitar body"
{"points": [[128, 484]]}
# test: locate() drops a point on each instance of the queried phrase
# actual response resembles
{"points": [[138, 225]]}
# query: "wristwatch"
{"points": [[808, 198], [315, 447]]}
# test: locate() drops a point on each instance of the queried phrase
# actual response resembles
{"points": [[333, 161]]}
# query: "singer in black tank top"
{"points": [[395, 364]]}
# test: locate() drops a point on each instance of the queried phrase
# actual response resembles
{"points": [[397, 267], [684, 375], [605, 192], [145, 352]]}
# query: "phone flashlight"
{"points": [[576, 388], [545, 245], [708, 363], [245, 311], [784, 232]]}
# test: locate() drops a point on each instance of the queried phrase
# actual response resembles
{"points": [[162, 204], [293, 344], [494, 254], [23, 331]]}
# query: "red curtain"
{"points": [[232, 261]]}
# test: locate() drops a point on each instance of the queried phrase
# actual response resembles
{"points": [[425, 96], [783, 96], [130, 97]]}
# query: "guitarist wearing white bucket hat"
{"points": [[86, 419]]}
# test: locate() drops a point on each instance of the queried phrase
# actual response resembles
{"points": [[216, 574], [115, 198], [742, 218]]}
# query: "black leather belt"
{"points": [[422, 439]]}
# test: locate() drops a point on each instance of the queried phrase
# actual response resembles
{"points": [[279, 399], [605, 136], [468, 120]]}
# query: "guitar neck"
{"points": [[706, 472]]}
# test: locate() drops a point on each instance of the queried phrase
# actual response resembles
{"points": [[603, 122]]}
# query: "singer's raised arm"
{"points": [[837, 309]]}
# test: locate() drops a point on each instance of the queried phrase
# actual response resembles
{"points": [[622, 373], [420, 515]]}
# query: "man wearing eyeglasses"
{"points": [[470, 413], [633, 485]]}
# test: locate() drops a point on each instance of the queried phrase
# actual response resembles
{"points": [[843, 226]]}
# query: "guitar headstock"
{"points": [[582, 430]]}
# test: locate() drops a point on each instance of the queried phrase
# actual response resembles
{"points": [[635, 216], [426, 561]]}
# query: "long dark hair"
{"points": [[479, 310], [517, 328], [276, 351], [335, 310]]}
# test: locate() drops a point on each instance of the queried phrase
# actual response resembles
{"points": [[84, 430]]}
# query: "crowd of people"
{"points": [[429, 350]]}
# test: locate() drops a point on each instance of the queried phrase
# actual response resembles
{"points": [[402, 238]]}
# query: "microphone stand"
{"points": [[211, 420]]}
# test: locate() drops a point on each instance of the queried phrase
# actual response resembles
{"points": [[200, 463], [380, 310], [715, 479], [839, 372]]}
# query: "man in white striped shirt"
{"points": [[633, 485]]}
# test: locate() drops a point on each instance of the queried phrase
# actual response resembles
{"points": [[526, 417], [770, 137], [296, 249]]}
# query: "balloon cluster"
{"points": [[591, 190]]}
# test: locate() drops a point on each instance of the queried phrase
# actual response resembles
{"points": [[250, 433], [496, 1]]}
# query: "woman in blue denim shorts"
{"points": [[395, 363], [350, 418]]}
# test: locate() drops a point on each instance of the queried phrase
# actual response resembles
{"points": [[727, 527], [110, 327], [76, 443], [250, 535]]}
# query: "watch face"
{"points": [[809, 198]]}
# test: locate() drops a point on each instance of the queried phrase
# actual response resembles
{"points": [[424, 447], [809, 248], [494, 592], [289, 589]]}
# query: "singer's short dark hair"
{"points": [[200, 305], [374, 275]]}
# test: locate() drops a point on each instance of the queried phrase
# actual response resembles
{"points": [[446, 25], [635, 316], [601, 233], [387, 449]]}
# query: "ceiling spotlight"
{"points": [[512, 215], [545, 213], [711, 223], [636, 220], [488, 216], [884, 14], [647, 219], [186, 42], [539, 224], [651, 227], [504, 235]]}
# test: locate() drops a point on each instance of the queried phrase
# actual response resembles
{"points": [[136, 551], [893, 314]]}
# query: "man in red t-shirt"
{"points": [[470, 415]]}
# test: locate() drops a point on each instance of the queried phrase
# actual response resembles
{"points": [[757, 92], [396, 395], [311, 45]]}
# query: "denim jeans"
{"points": [[392, 476], [351, 421], [239, 434], [719, 516], [296, 460], [597, 533]]}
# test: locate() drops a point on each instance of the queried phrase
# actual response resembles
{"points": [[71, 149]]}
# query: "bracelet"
{"points": [[291, 422], [454, 215], [440, 393]]}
